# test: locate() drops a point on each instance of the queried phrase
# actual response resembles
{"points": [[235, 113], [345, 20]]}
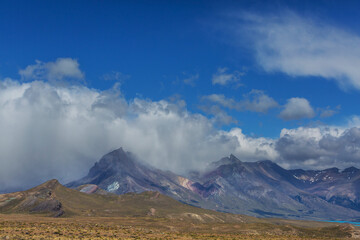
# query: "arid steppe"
{"points": [[17, 226]]}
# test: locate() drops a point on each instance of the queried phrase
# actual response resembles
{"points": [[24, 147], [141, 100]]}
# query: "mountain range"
{"points": [[261, 189], [54, 200], [89, 211]]}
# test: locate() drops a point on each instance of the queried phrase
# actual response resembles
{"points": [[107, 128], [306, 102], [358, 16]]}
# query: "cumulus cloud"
{"points": [[220, 116], [258, 101], [297, 108], [301, 46], [320, 147], [61, 69], [53, 131], [224, 77], [254, 101], [221, 100]]}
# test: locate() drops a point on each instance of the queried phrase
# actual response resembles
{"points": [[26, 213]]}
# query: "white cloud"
{"points": [[223, 77], [328, 112], [250, 149], [258, 101], [255, 101], [297, 108], [61, 69], [51, 131], [221, 100], [301, 46], [220, 116], [319, 147], [191, 79]]}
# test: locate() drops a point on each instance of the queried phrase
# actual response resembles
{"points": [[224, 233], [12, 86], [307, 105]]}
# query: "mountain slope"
{"points": [[120, 172], [265, 189], [53, 199], [229, 185], [335, 186], [97, 214]]}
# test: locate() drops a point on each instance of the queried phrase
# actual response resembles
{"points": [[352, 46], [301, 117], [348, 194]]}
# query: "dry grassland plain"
{"points": [[16, 226]]}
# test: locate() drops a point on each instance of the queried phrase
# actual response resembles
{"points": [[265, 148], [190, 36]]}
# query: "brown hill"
{"points": [[53, 199]]}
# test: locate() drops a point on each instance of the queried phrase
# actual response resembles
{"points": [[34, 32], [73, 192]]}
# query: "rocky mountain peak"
{"points": [[350, 170], [234, 159], [259, 188], [226, 161], [115, 158], [332, 170], [116, 155]]}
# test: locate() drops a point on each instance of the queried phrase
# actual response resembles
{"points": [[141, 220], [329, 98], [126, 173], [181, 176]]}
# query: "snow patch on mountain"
{"points": [[113, 187]]}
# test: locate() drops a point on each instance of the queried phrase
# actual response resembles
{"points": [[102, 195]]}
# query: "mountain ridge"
{"points": [[85, 213], [260, 188], [41, 200]]}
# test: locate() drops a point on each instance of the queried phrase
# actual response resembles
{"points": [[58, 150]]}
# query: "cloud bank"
{"points": [[320, 147], [51, 131]]}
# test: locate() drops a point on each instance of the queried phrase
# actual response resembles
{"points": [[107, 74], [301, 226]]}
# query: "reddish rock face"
{"points": [[90, 188]]}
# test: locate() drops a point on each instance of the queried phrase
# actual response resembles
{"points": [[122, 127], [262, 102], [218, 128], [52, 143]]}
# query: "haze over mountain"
{"points": [[260, 188]]}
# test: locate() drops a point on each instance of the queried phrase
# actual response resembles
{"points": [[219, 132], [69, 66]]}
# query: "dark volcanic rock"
{"points": [[47, 205], [40, 199]]}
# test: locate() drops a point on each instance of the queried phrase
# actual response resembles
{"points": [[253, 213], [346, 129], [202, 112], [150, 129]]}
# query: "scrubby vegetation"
{"points": [[35, 227]]}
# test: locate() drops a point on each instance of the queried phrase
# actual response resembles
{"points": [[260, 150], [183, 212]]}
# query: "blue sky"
{"points": [[256, 71], [160, 44]]}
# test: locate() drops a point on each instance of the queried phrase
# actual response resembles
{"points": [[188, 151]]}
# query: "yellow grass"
{"points": [[35, 227]]}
